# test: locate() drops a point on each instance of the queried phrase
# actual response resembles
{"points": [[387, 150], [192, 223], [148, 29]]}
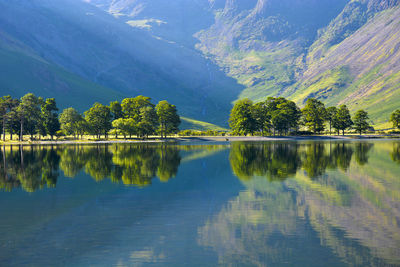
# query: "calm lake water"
{"points": [[205, 204]]}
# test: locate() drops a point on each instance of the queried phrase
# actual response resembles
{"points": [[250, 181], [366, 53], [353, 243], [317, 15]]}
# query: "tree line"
{"points": [[137, 116], [278, 115]]}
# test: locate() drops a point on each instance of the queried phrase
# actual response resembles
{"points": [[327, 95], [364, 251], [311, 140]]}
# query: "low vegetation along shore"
{"points": [[33, 119]]}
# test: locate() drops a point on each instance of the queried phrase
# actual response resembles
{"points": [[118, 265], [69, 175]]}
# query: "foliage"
{"points": [[360, 120], [50, 117], [241, 119], [330, 116], [168, 118], [99, 119], [315, 115], [69, 121], [342, 120], [395, 119]]}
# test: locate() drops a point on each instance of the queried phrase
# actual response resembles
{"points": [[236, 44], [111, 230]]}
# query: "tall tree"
{"points": [[314, 114], [99, 119], [116, 110], [241, 119], [342, 120], [330, 116], [7, 105], [69, 119], [262, 117], [395, 119], [360, 120], [28, 113], [131, 106], [50, 117], [168, 118], [148, 121], [285, 115]]}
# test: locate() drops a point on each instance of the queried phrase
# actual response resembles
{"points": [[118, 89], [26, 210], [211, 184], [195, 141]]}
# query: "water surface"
{"points": [[333, 203]]}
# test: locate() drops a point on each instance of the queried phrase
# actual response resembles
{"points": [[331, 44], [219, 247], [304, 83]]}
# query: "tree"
{"points": [[50, 117], [81, 126], [131, 106], [285, 115], [7, 105], [125, 126], [342, 120], [168, 118], [241, 119], [330, 116], [395, 119], [360, 120], [314, 115], [262, 117], [69, 119], [116, 110], [28, 113], [99, 119], [148, 121]]}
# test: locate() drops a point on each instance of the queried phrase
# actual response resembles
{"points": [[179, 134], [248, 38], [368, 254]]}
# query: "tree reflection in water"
{"points": [[34, 167], [279, 161], [342, 191]]}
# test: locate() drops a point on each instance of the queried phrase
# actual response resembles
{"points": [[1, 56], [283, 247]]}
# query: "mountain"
{"points": [[202, 55], [92, 44]]}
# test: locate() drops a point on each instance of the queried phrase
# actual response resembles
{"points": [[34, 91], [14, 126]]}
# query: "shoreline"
{"points": [[208, 139]]}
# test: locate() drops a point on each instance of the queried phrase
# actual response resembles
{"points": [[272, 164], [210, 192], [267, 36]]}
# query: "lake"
{"points": [[286, 203]]}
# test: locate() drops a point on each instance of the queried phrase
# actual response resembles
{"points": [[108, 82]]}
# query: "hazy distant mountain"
{"points": [[195, 52]]}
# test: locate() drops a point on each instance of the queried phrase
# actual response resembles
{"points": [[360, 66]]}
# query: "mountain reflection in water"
{"points": [[279, 203]]}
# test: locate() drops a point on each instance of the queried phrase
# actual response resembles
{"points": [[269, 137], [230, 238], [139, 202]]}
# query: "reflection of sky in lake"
{"points": [[255, 204]]}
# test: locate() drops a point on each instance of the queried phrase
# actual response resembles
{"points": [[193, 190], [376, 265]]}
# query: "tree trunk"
{"points": [[343, 132], [4, 129], [21, 134]]}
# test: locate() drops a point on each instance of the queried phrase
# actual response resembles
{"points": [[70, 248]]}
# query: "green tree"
{"points": [[168, 118], [330, 116], [125, 126], [28, 113], [262, 117], [116, 110], [395, 119], [285, 115], [148, 121], [99, 119], [131, 106], [241, 119], [314, 114], [81, 127], [7, 105], [69, 119], [360, 120], [50, 117], [342, 120]]}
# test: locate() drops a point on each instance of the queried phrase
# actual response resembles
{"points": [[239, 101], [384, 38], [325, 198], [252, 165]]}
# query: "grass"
{"points": [[191, 124]]}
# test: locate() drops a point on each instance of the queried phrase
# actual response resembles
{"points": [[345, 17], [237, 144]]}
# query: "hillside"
{"points": [[203, 55], [92, 44]]}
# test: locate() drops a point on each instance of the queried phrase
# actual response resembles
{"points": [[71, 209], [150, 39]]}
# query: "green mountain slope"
{"points": [[22, 71], [362, 71]]}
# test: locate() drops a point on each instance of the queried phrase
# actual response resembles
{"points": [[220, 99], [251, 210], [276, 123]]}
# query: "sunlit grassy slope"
{"points": [[192, 124]]}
